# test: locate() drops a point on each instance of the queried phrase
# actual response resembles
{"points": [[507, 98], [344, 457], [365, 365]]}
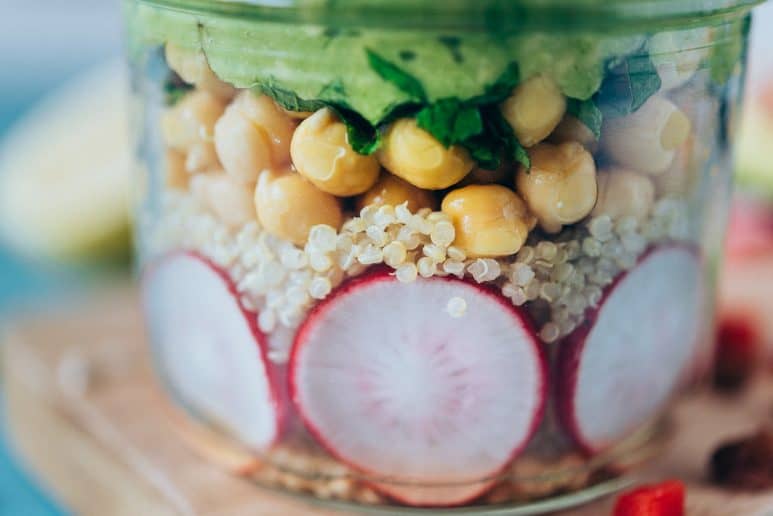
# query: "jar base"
{"points": [[531, 508], [299, 469]]}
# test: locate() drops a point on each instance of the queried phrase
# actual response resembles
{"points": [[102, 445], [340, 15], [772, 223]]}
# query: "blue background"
{"points": [[43, 43]]}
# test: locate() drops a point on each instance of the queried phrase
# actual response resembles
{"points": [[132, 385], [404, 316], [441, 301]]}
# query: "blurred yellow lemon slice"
{"points": [[64, 172]]}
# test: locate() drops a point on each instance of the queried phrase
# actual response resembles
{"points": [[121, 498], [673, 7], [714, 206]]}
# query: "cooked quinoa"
{"points": [[282, 281]]}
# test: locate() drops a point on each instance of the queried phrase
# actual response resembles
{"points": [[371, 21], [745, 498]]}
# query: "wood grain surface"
{"points": [[87, 417]]}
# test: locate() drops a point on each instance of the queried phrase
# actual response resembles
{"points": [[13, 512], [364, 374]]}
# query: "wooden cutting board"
{"points": [[87, 417]]}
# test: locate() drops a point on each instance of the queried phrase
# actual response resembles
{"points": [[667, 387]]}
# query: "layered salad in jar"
{"points": [[425, 268]]}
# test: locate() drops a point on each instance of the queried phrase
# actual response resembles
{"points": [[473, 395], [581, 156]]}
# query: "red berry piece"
{"points": [[738, 343], [664, 499]]}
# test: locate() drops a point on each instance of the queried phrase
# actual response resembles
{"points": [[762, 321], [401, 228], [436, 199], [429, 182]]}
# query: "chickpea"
{"points": [[321, 153], [647, 140], [415, 155], [176, 176], [193, 68], [192, 120], [622, 192], [201, 157], [534, 109], [298, 115], [253, 135], [679, 178], [394, 191], [490, 220], [228, 199], [482, 176], [560, 188], [570, 129], [288, 205], [677, 55]]}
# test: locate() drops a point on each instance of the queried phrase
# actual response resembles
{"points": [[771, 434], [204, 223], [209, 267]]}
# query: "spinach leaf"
{"points": [[334, 91], [287, 99], [362, 136], [392, 73], [587, 112], [628, 84], [450, 121]]}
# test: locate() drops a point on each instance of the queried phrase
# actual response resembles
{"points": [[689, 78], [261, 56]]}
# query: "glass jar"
{"points": [[331, 201]]}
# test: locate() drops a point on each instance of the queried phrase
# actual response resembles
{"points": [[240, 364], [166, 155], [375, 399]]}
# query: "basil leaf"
{"points": [[628, 85], [450, 121], [392, 73], [361, 135], [287, 99], [587, 112]]}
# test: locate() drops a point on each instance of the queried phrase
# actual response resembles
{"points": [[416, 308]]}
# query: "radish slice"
{"points": [[430, 400], [209, 348], [617, 371]]}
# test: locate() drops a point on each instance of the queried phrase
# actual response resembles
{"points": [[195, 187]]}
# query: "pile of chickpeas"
{"points": [[246, 158]]}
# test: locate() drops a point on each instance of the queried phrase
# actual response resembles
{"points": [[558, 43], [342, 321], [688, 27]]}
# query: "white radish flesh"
{"points": [[209, 349], [392, 384]]}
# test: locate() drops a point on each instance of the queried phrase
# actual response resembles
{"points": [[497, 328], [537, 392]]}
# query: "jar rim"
{"points": [[471, 14]]}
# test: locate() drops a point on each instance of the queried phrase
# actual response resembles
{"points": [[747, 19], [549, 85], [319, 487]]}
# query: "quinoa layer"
{"points": [[557, 278]]}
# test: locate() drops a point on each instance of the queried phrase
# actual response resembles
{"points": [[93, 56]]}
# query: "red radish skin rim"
{"points": [[384, 274], [251, 319], [572, 347]]}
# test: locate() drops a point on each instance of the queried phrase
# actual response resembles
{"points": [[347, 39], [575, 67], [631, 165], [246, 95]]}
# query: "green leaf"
{"points": [[175, 89], [333, 92], [450, 121], [587, 112], [289, 100], [477, 123], [392, 73], [500, 89], [521, 156], [487, 156], [628, 84], [363, 137], [504, 132], [496, 142]]}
